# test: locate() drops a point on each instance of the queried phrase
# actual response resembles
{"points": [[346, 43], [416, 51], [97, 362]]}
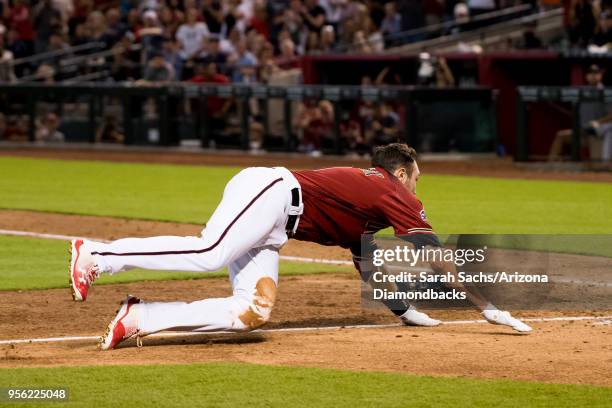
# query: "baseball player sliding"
{"points": [[260, 210]]}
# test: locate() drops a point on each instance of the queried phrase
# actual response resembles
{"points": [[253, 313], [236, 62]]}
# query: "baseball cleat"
{"points": [[413, 317], [495, 316], [83, 270], [124, 325]]}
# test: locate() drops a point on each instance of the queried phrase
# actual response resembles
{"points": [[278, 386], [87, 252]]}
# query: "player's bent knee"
{"points": [[258, 312]]}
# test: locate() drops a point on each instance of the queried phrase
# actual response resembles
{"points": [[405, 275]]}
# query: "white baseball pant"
{"points": [[245, 233]]}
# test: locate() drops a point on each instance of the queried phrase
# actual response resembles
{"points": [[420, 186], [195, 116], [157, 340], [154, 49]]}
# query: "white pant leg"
{"points": [[252, 213], [254, 277]]}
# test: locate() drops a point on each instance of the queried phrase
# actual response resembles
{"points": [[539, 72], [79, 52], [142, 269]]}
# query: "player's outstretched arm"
{"points": [[489, 311]]}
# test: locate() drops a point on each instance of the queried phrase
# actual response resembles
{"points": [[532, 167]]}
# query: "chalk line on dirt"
{"points": [[604, 319]]}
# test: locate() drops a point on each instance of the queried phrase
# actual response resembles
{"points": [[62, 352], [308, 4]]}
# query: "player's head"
{"points": [[398, 159]]}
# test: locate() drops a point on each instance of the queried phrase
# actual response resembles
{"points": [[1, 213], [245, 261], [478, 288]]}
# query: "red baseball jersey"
{"points": [[342, 203]]}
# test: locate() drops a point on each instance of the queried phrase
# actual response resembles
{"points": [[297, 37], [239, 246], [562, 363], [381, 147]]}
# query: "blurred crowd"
{"points": [[256, 35]]}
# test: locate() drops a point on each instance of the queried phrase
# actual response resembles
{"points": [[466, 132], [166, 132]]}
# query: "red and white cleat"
{"points": [[124, 325], [83, 270]]}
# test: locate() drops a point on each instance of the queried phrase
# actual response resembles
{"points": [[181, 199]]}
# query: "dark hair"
{"points": [[393, 156]]}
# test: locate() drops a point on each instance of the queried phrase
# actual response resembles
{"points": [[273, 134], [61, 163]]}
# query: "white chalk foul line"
{"points": [[71, 237], [42, 235], [603, 319], [282, 257]]}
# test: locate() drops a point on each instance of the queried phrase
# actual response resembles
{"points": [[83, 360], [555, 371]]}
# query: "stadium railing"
{"points": [[417, 107], [33, 61]]}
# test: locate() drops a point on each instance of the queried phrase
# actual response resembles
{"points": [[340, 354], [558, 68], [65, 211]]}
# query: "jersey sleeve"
{"points": [[405, 214]]}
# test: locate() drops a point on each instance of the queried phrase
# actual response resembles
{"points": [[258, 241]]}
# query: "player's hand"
{"points": [[496, 316], [413, 317]]}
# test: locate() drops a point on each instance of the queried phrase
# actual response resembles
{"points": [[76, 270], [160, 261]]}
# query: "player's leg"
{"points": [[254, 278], [562, 138], [252, 213]]}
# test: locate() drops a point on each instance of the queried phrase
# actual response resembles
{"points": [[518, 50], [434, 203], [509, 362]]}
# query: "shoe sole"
{"points": [[76, 295]]}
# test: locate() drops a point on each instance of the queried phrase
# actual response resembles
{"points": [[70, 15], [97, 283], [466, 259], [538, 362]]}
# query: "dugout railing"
{"points": [[461, 119], [529, 142]]}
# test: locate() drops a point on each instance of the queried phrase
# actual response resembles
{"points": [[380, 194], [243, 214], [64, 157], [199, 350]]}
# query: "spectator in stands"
{"points": [[374, 37], [96, 23], [123, 67], [57, 42], [328, 39], [384, 127], [313, 15], [244, 64], [212, 11], [291, 22], [115, 28], [217, 108], [313, 123], [7, 73], [287, 51], [171, 20], [603, 34], [158, 70], [20, 20], [232, 18], [461, 14], [434, 71], [66, 9], [259, 21], [171, 55], [82, 9], [151, 35], [334, 10], [589, 112], [47, 19], [134, 23], [190, 37], [360, 43], [81, 35], [47, 131], [45, 73], [391, 24], [583, 22], [213, 53]]}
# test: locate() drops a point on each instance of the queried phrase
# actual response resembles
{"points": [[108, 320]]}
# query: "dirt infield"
{"points": [[484, 167], [561, 352]]}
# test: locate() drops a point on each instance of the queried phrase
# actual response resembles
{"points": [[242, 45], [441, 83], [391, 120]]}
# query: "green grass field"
{"points": [[234, 385], [47, 266], [190, 194]]}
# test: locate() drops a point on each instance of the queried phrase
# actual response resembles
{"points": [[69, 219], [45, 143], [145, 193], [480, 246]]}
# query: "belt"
{"points": [[296, 209]]}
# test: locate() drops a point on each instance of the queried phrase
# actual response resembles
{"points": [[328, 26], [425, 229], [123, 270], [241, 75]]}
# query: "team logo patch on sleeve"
{"points": [[423, 215], [372, 172]]}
